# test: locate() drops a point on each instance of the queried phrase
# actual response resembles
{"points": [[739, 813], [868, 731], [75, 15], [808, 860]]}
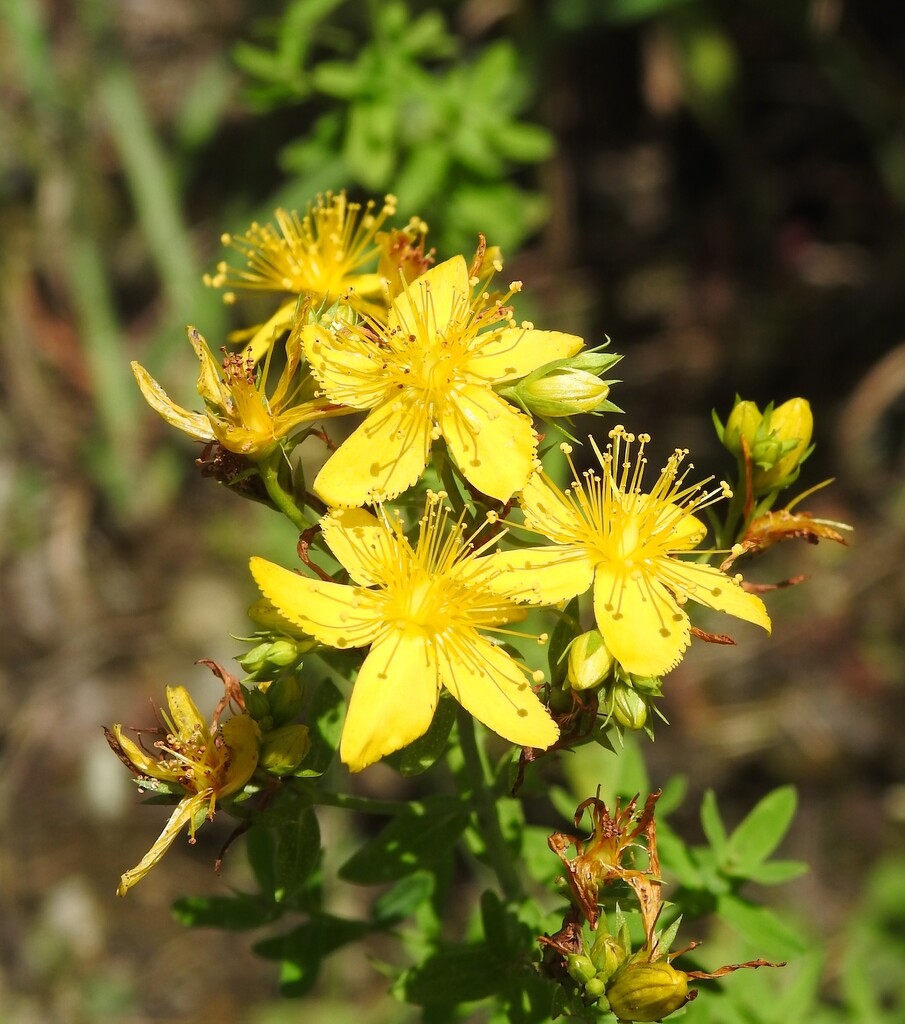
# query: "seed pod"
{"points": [[647, 991]]}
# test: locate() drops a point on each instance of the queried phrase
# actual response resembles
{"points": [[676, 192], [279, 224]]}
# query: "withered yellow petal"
{"points": [[240, 734], [385, 455], [393, 700], [182, 815], [515, 352], [494, 445], [195, 424], [184, 712]]}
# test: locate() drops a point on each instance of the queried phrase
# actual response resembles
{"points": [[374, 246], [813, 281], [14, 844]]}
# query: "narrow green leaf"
{"points": [[417, 757], [713, 825], [422, 834], [775, 872], [458, 974], [761, 831], [761, 928], [403, 899], [231, 913], [297, 854], [325, 724]]}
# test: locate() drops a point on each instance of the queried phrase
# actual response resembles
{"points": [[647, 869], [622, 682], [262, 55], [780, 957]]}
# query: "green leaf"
{"points": [[760, 832], [302, 950], [232, 913], [677, 858], [417, 757], [403, 899], [423, 174], [297, 854], [775, 872], [325, 725], [370, 144], [713, 825], [420, 835], [761, 928], [456, 974], [261, 847], [523, 143], [340, 79]]}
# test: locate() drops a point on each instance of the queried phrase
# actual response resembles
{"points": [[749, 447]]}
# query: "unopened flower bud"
{"points": [[564, 391], [627, 706], [790, 428], [284, 749], [607, 954], [256, 703], [742, 423], [595, 988], [590, 661], [580, 968], [284, 696], [647, 991]]}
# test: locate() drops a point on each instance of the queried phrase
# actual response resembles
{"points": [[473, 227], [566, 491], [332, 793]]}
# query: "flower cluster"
{"points": [[419, 530]]}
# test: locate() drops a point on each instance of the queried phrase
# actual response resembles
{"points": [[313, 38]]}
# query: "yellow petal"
{"points": [[542, 575], [384, 456], [144, 763], [362, 544], [264, 336], [432, 301], [195, 424], [184, 713], [241, 737], [713, 589], [336, 615], [182, 815], [492, 688], [493, 445], [210, 384], [548, 511], [641, 623], [349, 372], [514, 352], [393, 699]]}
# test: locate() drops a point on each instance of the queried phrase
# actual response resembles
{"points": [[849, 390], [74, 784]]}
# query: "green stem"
{"points": [[284, 502], [485, 805]]}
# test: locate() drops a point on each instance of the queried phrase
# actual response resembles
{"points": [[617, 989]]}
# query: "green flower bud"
{"points": [[595, 988], [284, 749], [647, 991], [590, 661], [743, 422], [790, 428], [284, 696], [627, 706], [564, 391], [580, 968], [256, 703], [607, 954]]}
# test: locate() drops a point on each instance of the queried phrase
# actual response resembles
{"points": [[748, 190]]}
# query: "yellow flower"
{"points": [[429, 373], [206, 762], [240, 414], [609, 533], [320, 255], [420, 608]]}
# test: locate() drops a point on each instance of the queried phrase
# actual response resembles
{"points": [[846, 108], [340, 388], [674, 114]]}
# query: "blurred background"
{"points": [[719, 187]]}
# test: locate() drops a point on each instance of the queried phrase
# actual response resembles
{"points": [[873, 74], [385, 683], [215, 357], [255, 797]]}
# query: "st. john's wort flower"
{"points": [[423, 610], [608, 532], [430, 373]]}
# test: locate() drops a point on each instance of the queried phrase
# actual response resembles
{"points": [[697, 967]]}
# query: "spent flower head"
{"points": [[422, 609], [203, 762], [430, 372], [609, 533], [240, 413]]}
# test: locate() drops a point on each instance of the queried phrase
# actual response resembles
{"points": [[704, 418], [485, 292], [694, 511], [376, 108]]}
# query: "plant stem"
{"points": [[284, 502], [485, 805]]}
